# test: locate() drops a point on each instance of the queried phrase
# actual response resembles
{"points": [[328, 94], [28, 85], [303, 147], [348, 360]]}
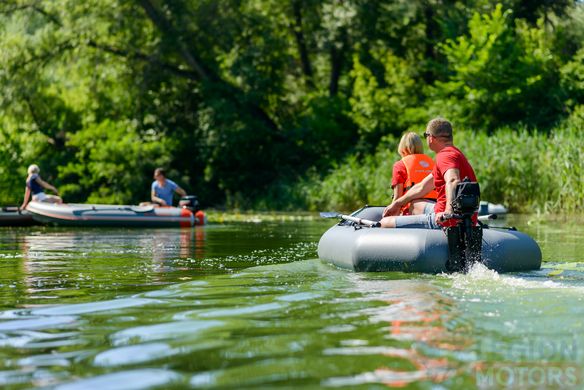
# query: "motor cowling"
{"points": [[189, 202], [467, 198]]}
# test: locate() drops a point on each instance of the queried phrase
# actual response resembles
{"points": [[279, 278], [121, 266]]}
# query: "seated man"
{"points": [[163, 189], [451, 167]]}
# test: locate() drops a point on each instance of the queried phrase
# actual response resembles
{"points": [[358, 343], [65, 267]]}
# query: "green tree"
{"points": [[500, 73], [241, 99], [113, 163], [389, 107]]}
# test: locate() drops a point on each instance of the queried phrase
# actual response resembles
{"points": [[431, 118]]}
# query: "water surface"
{"points": [[248, 304]]}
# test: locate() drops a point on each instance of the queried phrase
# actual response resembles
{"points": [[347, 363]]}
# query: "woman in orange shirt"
{"points": [[411, 169]]}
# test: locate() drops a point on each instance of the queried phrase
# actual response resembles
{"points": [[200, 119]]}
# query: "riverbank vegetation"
{"points": [[290, 104], [525, 170]]}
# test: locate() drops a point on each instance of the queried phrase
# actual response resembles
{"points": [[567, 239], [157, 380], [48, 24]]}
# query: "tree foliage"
{"points": [[241, 99], [502, 72]]}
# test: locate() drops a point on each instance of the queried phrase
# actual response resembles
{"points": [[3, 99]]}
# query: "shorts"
{"points": [[429, 208], [422, 221], [39, 197]]}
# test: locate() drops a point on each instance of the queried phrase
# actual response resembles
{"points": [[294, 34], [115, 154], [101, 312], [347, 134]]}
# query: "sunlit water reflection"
{"points": [[248, 305]]}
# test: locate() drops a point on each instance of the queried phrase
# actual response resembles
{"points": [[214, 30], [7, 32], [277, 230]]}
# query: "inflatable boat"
{"points": [[360, 248], [487, 208], [92, 215], [12, 216]]}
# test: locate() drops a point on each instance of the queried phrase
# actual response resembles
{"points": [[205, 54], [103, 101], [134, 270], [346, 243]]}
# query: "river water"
{"points": [[248, 304]]}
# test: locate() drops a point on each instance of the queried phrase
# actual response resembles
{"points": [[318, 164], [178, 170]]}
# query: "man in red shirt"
{"points": [[451, 168]]}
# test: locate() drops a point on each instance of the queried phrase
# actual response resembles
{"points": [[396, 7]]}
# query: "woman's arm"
{"points": [[26, 198], [398, 191], [416, 192], [46, 185]]}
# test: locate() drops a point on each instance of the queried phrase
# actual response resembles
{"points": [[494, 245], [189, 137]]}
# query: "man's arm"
{"points": [[416, 192], [452, 178], [180, 191], [156, 199]]}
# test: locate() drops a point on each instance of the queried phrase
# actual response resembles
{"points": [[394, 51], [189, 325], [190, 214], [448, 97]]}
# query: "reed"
{"points": [[525, 170]]}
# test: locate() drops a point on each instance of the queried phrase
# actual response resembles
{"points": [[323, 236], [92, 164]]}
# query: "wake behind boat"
{"points": [[100, 215]]}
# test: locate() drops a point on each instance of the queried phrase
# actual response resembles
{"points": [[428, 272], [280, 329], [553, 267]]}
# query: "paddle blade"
{"points": [[329, 214]]}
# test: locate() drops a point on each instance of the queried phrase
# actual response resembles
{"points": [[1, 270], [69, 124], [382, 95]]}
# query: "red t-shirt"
{"points": [[448, 158], [400, 174]]}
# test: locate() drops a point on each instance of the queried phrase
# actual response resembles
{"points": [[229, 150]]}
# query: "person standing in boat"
{"points": [[163, 189], [35, 186], [411, 169], [450, 168]]}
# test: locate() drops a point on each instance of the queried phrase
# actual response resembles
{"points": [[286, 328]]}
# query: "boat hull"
{"points": [[10, 216], [487, 208], [420, 250], [88, 215]]}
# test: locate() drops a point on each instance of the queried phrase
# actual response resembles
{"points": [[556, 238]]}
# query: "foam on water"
{"points": [[480, 278]]}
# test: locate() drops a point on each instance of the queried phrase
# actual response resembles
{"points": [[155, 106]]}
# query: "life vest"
{"points": [[418, 166]]}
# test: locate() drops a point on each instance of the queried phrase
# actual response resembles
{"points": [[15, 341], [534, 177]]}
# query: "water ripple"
{"points": [[127, 380]]}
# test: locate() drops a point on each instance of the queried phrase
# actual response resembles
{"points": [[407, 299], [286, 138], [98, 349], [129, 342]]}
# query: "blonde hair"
{"points": [[33, 168], [410, 143]]}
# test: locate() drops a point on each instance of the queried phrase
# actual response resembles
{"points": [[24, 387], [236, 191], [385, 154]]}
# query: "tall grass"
{"points": [[354, 182], [526, 171]]}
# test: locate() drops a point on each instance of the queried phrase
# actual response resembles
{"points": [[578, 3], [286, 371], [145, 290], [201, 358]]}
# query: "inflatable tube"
{"points": [[10, 216], [419, 250], [93, 215], [487, 208]]}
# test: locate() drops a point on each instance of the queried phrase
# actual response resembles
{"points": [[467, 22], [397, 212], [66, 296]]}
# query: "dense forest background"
{"points": [[288, 104]]}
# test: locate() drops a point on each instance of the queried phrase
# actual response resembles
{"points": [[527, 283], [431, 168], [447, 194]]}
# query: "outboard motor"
{"points": [[464, 239], [189, 202]]}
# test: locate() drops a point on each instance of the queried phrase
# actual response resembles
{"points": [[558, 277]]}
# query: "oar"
{"points": [[481, 218], [360, 221]]}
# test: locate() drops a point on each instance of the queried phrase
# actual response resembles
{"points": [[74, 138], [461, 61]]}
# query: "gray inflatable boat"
{"points": [[349, 246]]}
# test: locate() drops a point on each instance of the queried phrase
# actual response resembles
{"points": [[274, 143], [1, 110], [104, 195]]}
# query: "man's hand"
{"points": [[392, 209], [159, 201], [439, 218]]}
